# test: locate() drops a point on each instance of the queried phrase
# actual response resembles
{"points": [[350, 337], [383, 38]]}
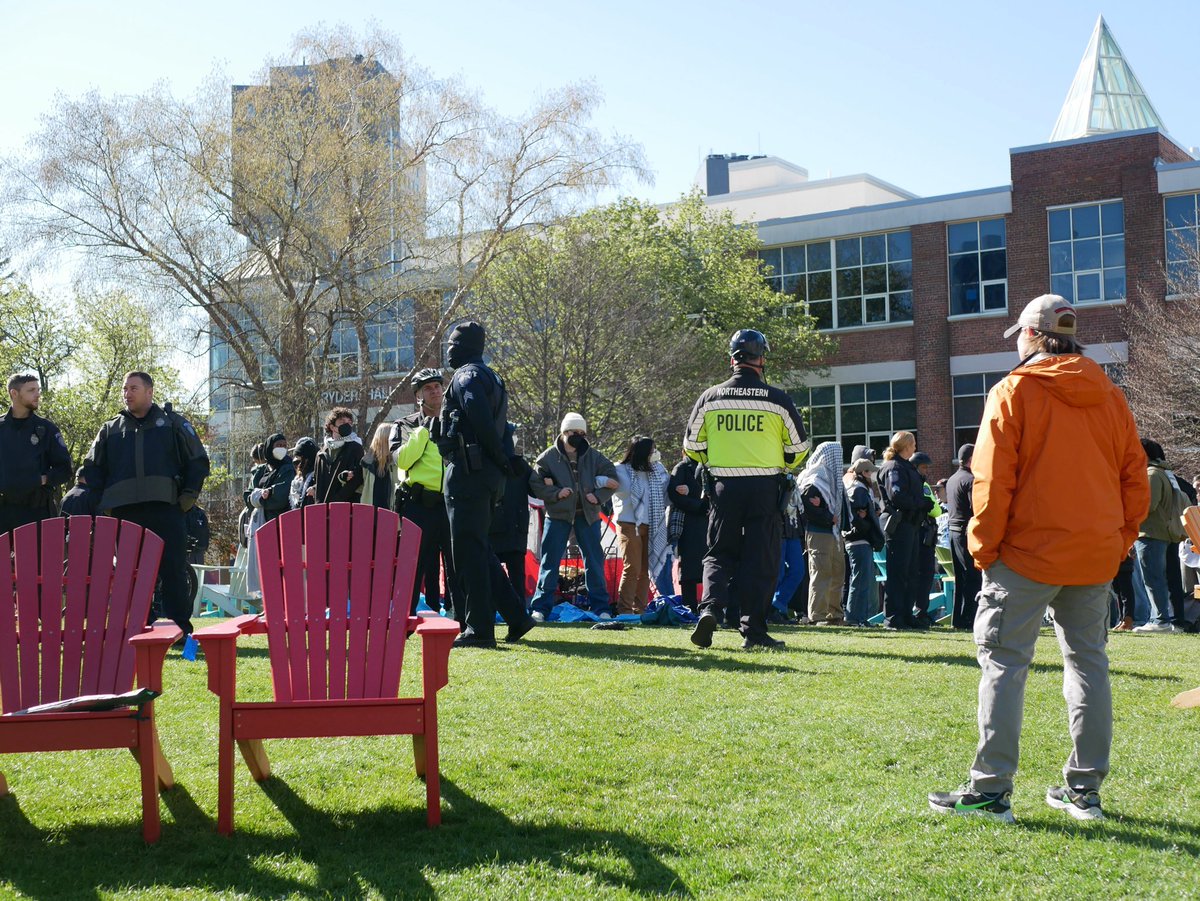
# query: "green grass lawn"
{"points": [[615, 764]]}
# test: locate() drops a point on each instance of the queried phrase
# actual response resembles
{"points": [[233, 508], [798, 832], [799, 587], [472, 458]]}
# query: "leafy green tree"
{"points": [[624, 314], [81, 352]]}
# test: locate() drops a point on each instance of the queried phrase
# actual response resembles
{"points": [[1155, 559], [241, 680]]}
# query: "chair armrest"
{"points": [[150, 650], [433, 625], [437, 637], [219, 643], [227, 629], [210, 567], [162, 633]]}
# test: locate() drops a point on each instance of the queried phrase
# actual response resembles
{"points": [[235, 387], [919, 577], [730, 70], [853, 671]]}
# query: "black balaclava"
{"points": [[466, 344]]}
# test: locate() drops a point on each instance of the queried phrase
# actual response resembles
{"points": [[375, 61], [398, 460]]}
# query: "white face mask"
{"points": [[279, 452], [655, 456]]}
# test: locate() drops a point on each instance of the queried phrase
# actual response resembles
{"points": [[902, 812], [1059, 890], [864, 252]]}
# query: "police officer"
{"points": [[147, 465], [473, 439], [419, 493], [34, 459], [78, 501], [747, 434]]}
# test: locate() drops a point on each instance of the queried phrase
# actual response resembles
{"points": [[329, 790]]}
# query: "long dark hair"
{"points": [[637, 452]]}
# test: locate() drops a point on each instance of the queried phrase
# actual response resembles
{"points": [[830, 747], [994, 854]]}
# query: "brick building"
{"points": [[918, 291]]}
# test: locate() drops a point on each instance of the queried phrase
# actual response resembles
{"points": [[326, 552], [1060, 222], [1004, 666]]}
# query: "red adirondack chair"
{"points": [[336, 583], [80, 629]]}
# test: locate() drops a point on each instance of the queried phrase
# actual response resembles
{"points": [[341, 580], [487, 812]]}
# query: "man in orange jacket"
{"points": [[1045, 538]]}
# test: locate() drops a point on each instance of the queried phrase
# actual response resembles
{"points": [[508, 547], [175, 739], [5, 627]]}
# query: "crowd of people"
{"points": [[751, 528]]}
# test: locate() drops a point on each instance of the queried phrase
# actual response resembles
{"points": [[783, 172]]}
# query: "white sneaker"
{"points": [[538, 617], [604, 617], [1155, 627]]}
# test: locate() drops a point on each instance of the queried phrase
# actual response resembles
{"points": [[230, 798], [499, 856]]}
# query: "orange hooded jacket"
{"points": [[1060, 475]]}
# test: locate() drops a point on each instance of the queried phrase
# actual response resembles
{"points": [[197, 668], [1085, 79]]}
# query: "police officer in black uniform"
{"points": [[147, 465], [34, 459], [747, 434], [473, 439]]}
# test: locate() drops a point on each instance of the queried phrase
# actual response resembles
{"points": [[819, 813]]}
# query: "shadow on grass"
{"points": [[966, 660], [1156, 835], [386, 851], [746, 662]]}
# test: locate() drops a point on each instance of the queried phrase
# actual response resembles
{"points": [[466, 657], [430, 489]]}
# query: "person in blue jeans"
{"points": [[863, 538], [574, 480], [1154, 537], [791, 563]]}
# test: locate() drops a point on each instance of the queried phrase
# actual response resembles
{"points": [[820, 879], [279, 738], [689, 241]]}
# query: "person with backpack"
{"points": [[147, 466], [1158, 532]]}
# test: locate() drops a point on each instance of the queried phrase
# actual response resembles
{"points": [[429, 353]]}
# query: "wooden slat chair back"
{"points": [[337, 584], [337, 616], [74, 599]]}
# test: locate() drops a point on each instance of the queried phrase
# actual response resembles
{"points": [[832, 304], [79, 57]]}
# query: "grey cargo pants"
{"points": [[1010, 613]]}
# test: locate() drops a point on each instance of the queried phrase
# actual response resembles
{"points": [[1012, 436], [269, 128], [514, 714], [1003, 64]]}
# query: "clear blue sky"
{"points": [[929, 96]]}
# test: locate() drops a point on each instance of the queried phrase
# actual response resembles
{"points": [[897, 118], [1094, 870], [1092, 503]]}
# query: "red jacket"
{"points": [[1060, 475]]}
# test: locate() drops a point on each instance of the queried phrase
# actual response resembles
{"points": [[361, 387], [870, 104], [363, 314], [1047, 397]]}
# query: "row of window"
{"points": [[867, 279], [389, 349], [870, 412]]}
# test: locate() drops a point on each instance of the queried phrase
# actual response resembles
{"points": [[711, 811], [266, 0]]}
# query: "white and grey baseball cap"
{"points": [[1049, 313]]}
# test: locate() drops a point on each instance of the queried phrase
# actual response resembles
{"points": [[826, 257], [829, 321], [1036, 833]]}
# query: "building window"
{"points": [[1183, 242], [859, 413], [970, 393], [848, 282], [389, 343], [1087, 252], [978, 267]]}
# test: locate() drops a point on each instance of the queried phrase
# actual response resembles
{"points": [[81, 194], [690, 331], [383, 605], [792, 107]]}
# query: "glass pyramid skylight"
{"points": [[1105, 95]]}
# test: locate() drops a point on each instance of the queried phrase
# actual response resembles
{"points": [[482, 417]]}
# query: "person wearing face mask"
{"points": [[304, 458], [639, 505], [271, 490], [339, 464], [268, 495], [473, 437], [574, 480]]}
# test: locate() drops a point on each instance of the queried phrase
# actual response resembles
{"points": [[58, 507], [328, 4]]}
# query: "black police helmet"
{"points": [[425, 376], [748, 344]]}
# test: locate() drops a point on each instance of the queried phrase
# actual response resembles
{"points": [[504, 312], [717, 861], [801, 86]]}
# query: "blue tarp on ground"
{"points": [[668, 611]]}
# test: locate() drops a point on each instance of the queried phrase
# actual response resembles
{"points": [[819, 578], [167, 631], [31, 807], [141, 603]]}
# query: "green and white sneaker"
{"points": [[1081, 805], [968, 802]]}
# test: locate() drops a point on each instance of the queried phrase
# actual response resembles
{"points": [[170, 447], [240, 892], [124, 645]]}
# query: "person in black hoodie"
{"points": [[686, 497], [339, 471], [274, 481], [967, 579], [905, 507], [79, 501]]}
